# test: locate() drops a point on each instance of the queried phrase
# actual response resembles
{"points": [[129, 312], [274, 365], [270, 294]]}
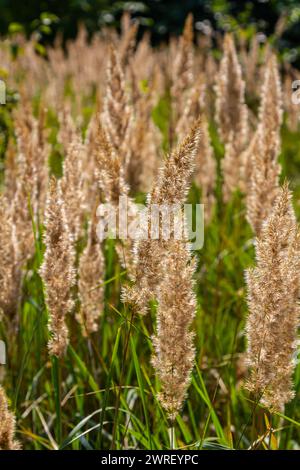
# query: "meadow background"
{"points": [[103, 392]]}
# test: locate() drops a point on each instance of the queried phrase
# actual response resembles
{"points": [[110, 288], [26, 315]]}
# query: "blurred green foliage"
{"points": [[163, 17]]}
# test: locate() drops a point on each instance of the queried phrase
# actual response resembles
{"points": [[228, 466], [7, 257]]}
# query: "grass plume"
{"points": [[57, 270], [273, 291]]}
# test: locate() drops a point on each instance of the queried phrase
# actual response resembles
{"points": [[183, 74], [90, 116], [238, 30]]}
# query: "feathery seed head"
{"points": [[91, 275], [264, 168], [57, 270], [173, 342], [273, 291], [7, 428]]}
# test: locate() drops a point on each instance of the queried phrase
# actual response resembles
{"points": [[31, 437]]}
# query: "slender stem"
{"points": [[171, 431], [57, 397], [127, 338]]}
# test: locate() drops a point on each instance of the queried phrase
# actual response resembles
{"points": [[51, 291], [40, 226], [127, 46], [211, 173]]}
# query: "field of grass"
{"points": [[103, 392]]}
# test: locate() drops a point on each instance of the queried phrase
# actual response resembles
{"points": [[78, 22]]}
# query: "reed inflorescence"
{"points": [[58, 268], [273, 292]]}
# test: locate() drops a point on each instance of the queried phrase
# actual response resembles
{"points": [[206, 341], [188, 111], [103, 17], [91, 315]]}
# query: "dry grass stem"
{"points": [[57, 270], [273, 292]]}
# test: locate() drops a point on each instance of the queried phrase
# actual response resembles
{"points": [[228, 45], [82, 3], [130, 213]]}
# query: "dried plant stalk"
{"points": [[182, 74], [25, 180], [251, 65], [109, 168], [42, 151], [33, 151], [112, 183], [25, 202], [7, 427], [67, 128], [10, 170], [193, 108], [173, 343], [264, 168], [231, 115], [273, 291], [174, 179], [231, 111], [205, 164], [72, 186], [90, 184], [57, 270], [128, 38], [10, 271], [170, 188], [91, 288], [30, 171], [141, 70], [205, 169], [145, 142], [117, 113]]}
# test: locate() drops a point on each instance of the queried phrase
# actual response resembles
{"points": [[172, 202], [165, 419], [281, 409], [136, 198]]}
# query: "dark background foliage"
{"points": [[162, 17]]}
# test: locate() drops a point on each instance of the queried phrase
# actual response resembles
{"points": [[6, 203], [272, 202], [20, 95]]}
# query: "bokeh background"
{"points": [[162, 17]]}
